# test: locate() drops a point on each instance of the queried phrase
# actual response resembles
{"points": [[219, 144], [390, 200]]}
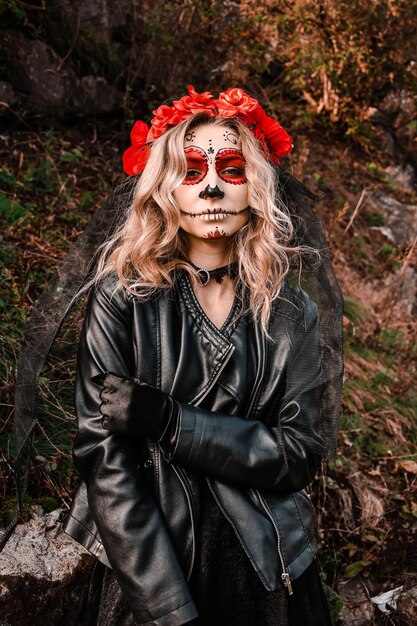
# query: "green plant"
{"points": [[357, 312], [334, 600], [12, 12], [374, 218], [11, 211]]}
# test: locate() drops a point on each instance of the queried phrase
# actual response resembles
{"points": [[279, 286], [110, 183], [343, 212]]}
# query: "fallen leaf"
{"points": [[409, 466], [355, 568]]}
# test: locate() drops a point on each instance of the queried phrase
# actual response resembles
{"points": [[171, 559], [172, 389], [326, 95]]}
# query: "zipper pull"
{"points": [[287, 582]]}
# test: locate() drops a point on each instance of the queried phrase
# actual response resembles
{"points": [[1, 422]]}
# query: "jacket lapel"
{"points": [[194, 352]]}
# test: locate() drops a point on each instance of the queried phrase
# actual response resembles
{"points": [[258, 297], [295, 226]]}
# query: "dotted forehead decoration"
{"points": [[190, 136]]}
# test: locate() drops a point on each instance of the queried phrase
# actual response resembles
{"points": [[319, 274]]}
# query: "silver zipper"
{"points": [[285, 577], [184, 482]]}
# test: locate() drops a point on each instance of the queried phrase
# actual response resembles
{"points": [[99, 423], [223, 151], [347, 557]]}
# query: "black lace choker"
{"points": [[218, 273]]}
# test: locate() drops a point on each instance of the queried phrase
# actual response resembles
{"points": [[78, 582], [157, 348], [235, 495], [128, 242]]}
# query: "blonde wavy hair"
{"points": [[148, 246]]}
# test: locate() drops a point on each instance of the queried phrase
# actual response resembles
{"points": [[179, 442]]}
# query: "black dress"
{"points": [[223, 583]]}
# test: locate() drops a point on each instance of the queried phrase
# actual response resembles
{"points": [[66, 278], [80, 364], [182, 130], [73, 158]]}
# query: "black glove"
{"points": [[132, 408]]}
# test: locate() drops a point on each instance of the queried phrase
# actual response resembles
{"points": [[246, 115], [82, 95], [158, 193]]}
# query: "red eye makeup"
{"points": [[229, 162], [197, 166], [230, 166]]}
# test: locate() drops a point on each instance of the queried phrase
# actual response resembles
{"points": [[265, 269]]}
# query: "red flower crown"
{"points": [[232, 103]]}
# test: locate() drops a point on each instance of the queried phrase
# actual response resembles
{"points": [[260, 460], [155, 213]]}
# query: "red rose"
{"points": [[235, 101], [278, 140], [274, 139], [196, 103], [135, 157], [139, 133], [164, 116]]}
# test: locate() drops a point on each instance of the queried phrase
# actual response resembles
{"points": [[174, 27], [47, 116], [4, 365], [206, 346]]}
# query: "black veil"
{"points": [[75, 271], [318, 279]]}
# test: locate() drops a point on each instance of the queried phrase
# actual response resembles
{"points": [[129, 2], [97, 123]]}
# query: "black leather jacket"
{"points": [[137, 506]]}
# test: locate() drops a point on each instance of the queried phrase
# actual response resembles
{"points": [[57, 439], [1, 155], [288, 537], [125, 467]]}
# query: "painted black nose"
{"points": [[211, 192]]}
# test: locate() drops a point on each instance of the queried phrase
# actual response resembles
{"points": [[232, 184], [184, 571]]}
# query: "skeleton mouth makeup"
{"points": [[214, 215]]}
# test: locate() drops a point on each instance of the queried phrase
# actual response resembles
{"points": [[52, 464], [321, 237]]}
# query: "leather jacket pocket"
{"points": [[173, 491], [295, 517]]}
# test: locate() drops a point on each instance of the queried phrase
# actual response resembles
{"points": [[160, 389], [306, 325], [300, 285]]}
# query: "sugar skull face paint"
{"points": [[214, 189], [197, 166]]}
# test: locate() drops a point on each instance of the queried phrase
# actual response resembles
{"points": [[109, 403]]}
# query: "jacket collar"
{"points": [[218, 339], [215, 348]]}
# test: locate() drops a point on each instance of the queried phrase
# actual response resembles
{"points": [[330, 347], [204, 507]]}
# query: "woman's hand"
{"points": [[132, 408]]}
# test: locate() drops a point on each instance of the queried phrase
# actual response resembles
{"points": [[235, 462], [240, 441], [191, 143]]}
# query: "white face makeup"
{"points": [[213, 197]]}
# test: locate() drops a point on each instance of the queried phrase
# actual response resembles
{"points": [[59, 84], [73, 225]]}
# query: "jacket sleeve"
{"points": [[248, 453], [131, 526]]}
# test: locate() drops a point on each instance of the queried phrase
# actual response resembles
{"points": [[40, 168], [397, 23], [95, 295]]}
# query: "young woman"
{"points": [[200, 384]]}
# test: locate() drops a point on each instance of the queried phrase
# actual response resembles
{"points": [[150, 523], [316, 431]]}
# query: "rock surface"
{"points": [[407, 607], [402, 177], [49, 87], [44, 574], [357, 609], [400, 219], [393, 119], [100, 18], [398, 289]]}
